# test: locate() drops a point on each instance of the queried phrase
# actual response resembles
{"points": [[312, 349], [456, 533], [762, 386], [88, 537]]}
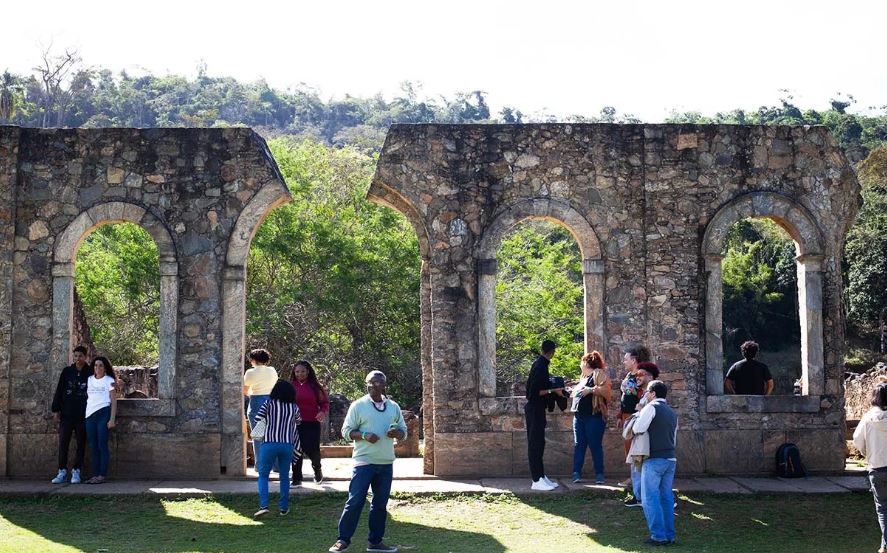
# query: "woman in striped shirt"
{"points": [[281, 416]]}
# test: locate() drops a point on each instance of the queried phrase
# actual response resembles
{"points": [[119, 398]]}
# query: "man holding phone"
{"points": [[538, 388], [373, 422]]}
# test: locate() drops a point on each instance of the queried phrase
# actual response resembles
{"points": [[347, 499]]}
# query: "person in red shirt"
{"points": [[314, 406]]}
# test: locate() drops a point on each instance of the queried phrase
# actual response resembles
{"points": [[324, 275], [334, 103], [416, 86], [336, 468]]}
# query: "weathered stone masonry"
{"points": [[201, 194], [648, 206]]}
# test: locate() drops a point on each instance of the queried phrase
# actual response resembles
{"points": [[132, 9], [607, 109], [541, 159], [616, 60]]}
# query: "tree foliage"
{"points": [[539, 294], [117, 276], [866, 248], [334, 278]]}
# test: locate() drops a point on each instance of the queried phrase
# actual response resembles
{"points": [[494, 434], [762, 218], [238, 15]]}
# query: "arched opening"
{"points": [[126, 241], [117, 303], [800, 226], [760, 299], [539, 294], [334, 279], [592, 278]]}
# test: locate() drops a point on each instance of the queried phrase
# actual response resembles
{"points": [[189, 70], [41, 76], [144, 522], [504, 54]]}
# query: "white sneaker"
{"points": [[60, 477], [75, 476], [541, 485], [550, 482]]}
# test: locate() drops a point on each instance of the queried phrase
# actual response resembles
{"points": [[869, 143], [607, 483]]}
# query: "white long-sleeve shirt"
{"points": [[646, 416], [870, 437]]}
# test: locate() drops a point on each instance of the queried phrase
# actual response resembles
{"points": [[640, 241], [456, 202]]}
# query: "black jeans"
{"points": [[309, 438], [878, 479], [535, 417], [78, 429]]}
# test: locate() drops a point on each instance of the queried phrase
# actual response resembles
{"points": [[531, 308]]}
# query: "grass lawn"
{"points": [[470, 523]]}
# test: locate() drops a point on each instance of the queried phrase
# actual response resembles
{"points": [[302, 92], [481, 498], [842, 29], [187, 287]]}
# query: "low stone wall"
{"points": [[138, 382]]}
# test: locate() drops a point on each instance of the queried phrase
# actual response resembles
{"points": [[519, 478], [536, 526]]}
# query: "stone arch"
{"points": [[385, 195], [64, 253], [233, 454], [558, 212], [801, 226]]}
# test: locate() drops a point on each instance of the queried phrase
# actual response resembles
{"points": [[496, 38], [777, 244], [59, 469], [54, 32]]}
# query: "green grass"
{"points": [[471, 523]]}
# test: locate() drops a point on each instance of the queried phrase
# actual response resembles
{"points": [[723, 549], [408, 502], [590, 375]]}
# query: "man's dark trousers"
{"points": [[535, 417], [78, 429]]}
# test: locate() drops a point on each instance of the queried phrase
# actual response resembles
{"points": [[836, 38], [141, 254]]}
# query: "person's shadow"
{"points": [[220, 523]]}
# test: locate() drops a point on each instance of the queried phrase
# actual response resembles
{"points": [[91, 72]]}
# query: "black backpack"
{"points": [[788, 462]]}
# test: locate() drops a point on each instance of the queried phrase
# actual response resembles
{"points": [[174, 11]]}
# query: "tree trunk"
{"points": [[80, 334]]}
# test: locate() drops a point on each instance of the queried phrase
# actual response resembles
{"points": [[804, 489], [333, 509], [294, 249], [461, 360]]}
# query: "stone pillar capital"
{"points": [[593, 266]]}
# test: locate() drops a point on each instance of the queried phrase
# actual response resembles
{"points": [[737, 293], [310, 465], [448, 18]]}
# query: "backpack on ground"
{"points": [[788, 462]]}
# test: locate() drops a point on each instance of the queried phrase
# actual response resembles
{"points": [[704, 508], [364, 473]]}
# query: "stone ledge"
{"points": [[146, 408], [762, 404]]}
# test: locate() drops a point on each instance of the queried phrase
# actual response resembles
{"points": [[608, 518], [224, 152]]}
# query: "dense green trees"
{"points": [[117, 277], [334, 278], [538, 295]]}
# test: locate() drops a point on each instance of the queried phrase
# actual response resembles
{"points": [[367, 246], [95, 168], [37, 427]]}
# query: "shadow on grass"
{"points": [[213, 524], [837, 523]]}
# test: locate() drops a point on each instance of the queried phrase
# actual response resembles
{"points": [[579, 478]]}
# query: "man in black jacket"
{"points": [[69, 412], [538, 389]]}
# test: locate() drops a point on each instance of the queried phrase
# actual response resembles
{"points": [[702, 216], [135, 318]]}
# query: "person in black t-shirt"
{"points": [[749, 376], [538, 388]]}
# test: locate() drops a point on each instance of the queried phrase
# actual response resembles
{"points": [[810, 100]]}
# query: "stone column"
{"points": [[486, 315], [593, 288], [427, 369], [233, 452], [169, 305], [62, 314], [810, 302], [714, 347]]}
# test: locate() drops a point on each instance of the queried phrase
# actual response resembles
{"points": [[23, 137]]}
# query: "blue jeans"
{"points": [[657, 476], [255, 403], [282, 454], [588, 433], [97, 434], [637, 485], [362, 477]]}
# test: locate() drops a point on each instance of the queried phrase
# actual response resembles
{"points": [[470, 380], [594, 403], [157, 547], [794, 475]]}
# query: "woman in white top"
{"points": [[101, 410], [870, 438], [257, 385]]}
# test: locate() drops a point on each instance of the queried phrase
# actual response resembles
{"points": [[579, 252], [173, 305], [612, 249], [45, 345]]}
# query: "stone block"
{"points": [[473, 454], [140, 456], [822, 450], [734, 452], [558, 456]]}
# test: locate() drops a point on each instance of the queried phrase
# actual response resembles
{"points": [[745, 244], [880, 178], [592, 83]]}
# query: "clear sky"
{"points": [[643, 57]]}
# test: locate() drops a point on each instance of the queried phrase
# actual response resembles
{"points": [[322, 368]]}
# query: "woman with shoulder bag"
{"points": [[314, 406], [591, 398]]}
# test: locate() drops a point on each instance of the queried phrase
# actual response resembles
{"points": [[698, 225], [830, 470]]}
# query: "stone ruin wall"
{"points": [[648, 193], [201, 193]]}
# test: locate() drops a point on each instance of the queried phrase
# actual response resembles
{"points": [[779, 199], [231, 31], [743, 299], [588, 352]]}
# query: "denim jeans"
{"points": [[362, 478], [255, 403], [282, 454], [657, 476], [588, 433], [637, 483], [97, 434], [879, 490]]}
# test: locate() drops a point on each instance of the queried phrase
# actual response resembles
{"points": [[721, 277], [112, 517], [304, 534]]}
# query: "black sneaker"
{"points": [[296, 482], [656, 543], [318, 476], [632, 502], [284, 512], [382, 547]]}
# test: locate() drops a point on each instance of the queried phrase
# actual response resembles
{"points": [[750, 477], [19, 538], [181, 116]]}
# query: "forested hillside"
{"points": [[335, 279]]}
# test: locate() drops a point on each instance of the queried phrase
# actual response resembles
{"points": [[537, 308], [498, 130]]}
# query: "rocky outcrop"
{"points": [[858, 391]]}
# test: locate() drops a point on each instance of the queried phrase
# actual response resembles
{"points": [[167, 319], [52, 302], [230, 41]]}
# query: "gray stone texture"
{"points": [[649, 206], [201, 194]]}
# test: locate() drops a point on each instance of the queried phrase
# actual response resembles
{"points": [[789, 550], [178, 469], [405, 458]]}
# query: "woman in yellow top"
{"points": [[257, 385]]}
